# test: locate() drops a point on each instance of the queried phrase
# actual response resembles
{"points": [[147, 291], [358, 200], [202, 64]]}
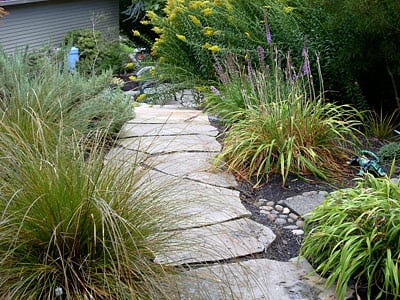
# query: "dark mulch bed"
{"points": [[286, 244]]}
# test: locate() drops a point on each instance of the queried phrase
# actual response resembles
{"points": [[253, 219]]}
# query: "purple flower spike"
{"points": [[267, 31], [215, 91], [304, 52], [306, 67], [261, 54]]}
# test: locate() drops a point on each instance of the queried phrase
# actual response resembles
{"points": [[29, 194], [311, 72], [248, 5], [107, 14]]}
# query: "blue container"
{"points": [[73, 58]]}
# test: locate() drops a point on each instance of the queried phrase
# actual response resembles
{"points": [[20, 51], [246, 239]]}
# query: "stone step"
{"points": [[168, 114], [139, 129], [196, 166], [256, 279], [217, 242], [169, 144], [199, 204]]}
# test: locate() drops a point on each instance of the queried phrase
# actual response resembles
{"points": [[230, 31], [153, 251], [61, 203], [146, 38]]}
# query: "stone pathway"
{"points": [[212, 223]]}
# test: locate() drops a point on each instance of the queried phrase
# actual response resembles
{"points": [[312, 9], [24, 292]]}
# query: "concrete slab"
{"points": [[203, 204], [135, 130], [256, 279], [168, 144], [168, 114], [306, 202], [218, 242], [196, 166]]}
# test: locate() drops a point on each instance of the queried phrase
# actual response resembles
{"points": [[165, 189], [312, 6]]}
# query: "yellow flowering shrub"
{"points": [[192, 33]]}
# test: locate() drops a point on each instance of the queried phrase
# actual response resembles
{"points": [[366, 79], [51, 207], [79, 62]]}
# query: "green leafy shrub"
{"points": [[354, 234], [389, 152], [358, 45], [96, 53]]}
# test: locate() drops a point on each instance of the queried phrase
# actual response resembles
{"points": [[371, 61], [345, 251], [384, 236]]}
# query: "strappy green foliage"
{"points": [[355, 234]]}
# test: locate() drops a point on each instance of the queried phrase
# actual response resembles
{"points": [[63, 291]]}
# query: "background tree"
{"points": [[359, 42]]}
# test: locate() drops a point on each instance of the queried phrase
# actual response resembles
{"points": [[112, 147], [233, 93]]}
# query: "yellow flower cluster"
{"points": [[208, 31], [195, 20], [181, 37], [197, 4], [158, 30], [288, 9], [212, 48], [207, 11]]}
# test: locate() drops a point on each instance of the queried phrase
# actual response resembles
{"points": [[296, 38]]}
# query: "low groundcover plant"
{"points": [[355, 234]]}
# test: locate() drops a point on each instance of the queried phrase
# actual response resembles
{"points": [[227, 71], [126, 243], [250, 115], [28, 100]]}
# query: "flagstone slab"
{"points": [[136, 130], [127, 155], [256, 279], [305, 202], [220, 178], [196, 166], [217, 242], [167, 114], [168, 144], [202, 204]]}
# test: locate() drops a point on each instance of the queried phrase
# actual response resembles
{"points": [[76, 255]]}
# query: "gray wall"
{"points": [[41, 23]]}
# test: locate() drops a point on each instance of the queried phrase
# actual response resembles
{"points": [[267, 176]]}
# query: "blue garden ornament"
{"points": [[368, 162], [73, 58]]}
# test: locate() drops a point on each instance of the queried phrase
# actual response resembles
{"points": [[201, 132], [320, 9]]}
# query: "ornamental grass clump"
{"points": [[276, 124], [74, 225], [381, 126], [40, 83], [355, 235]]}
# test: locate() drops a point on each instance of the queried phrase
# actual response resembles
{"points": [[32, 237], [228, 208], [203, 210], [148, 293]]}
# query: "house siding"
{"points": [[46, 23]]}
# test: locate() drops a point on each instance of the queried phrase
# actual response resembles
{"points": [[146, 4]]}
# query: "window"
{"points": [[14, 2]]}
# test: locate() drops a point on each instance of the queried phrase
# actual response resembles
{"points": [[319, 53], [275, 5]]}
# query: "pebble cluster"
{"points": [[280, 215]]}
